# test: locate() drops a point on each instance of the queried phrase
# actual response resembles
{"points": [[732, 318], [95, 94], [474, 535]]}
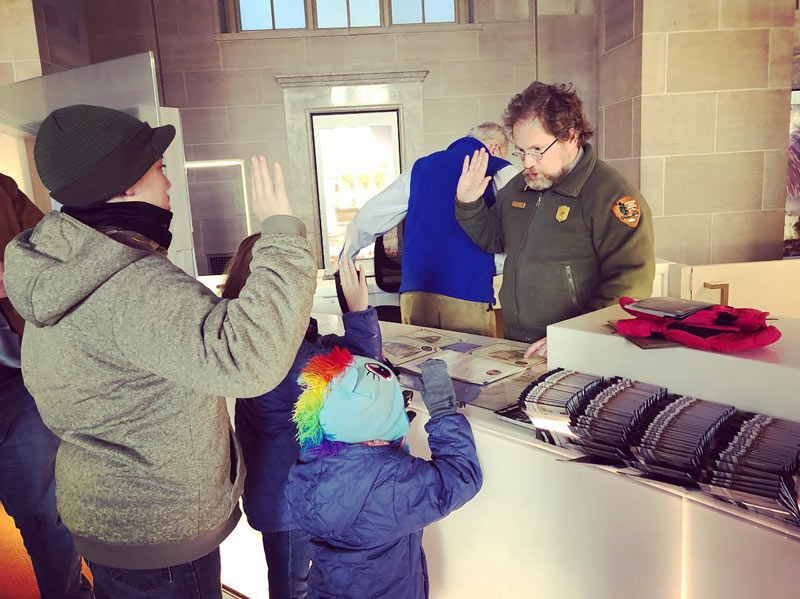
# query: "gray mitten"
{"points": [[437, 393]]}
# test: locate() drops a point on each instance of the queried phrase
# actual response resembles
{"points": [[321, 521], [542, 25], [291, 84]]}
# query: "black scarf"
{"points": [[146, 219]]}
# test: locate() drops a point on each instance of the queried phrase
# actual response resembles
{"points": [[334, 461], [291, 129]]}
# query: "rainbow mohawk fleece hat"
{"points": [[347, 399]]}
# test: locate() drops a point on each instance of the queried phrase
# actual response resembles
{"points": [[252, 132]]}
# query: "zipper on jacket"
{"points": [[573, 295], [519, 253]]}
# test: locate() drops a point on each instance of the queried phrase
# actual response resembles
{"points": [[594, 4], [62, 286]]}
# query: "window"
{"points": [[423, 11], [272, 14], [327, 14], [348, 13]]}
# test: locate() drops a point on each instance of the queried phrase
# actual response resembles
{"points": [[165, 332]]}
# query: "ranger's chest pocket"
{"points": [[563, 219], [562, 235], [517, 218]]}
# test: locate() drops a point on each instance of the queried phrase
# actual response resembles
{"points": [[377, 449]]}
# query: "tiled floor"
{"points": [[245, 567], [16, 574]]}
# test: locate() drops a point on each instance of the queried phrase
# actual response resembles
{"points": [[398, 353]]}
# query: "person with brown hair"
{"points": [[265, 429], [578, 235], [446, 278]]}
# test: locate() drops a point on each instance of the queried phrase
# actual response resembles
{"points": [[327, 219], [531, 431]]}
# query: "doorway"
{"points": [[356, 154]]}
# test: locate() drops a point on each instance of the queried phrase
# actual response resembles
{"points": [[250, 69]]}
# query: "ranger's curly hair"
{"points": [[557, 106]]}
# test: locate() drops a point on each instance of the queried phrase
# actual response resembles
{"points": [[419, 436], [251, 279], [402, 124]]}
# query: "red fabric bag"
{"points": [[717, 328]]}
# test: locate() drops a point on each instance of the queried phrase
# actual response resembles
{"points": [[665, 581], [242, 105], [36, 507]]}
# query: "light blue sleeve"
{"points": [[380, 214]]}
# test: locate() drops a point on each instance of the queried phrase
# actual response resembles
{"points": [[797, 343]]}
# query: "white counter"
{"points": [[765, 380], [544, 527]]}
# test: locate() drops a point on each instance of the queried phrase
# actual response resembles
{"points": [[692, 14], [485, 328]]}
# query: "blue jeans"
{"points": [[288, 559], [199, 579], [27, 492]]}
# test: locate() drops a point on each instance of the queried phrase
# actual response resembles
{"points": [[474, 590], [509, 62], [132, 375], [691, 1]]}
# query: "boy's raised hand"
{"points": [[269, 198], [354, 285], [473, 180]]}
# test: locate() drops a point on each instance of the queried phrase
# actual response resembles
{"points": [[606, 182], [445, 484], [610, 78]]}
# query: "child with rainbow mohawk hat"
{"points": [[268, 435], [358, 492]]}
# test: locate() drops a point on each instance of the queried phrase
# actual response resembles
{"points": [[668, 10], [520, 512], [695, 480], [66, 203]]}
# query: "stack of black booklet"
{"points": [[545, 401], [748, 459], [755, 464], [608, 418], [675, 441]]}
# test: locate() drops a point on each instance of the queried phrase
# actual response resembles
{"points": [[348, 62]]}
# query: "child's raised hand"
{"points": [[354, 285]]}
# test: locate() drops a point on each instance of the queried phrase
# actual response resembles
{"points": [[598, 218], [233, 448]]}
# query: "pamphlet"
{"points": [[463, 347], [399, 350], [466, 367], [508, 353], [436, 338]]}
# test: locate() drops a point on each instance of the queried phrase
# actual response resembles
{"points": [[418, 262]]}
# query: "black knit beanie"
{"points": [[86, 154]]}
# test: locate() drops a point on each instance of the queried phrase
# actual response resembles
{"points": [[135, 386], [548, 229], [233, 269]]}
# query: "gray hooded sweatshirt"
{"points": [[128, 359]]}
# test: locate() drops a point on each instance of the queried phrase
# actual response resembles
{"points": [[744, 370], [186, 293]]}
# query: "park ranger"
{"points": [[577, 234]]}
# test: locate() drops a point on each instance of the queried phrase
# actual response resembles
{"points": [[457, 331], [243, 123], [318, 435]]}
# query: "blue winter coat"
{"points": [[267, 433], [366, 507]]}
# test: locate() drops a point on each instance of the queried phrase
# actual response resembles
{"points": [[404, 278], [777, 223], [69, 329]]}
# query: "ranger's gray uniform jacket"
{"points": [[574, 248]]}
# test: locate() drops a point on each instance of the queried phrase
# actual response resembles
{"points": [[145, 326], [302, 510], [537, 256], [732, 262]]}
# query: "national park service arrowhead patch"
{"points": [[627, 210]]}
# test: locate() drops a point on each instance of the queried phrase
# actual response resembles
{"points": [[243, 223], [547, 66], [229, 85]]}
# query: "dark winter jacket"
{"points": [[266, 431], [570, 248], [17, 213], [366, 507]]}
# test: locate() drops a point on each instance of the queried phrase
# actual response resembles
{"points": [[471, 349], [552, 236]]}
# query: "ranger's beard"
{"points": [[543, 181]]}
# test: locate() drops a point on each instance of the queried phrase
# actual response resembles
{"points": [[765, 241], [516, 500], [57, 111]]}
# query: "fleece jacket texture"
{"points": [[128, 359]]}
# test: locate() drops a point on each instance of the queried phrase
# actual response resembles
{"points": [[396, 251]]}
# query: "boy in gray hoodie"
{"points": [[128, 357]]}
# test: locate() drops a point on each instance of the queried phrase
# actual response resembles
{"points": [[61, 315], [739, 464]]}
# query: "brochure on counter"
{"points": [[466, 361], [402, 349], [466, 367]]}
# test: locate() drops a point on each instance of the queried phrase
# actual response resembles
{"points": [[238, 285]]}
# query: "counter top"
{"points": [[480, 412], [764, 380], [547, 525]]}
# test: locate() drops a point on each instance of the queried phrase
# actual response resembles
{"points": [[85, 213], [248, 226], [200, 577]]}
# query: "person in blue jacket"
{"points": [[267, 434], [446, 278], [358, 492]]}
